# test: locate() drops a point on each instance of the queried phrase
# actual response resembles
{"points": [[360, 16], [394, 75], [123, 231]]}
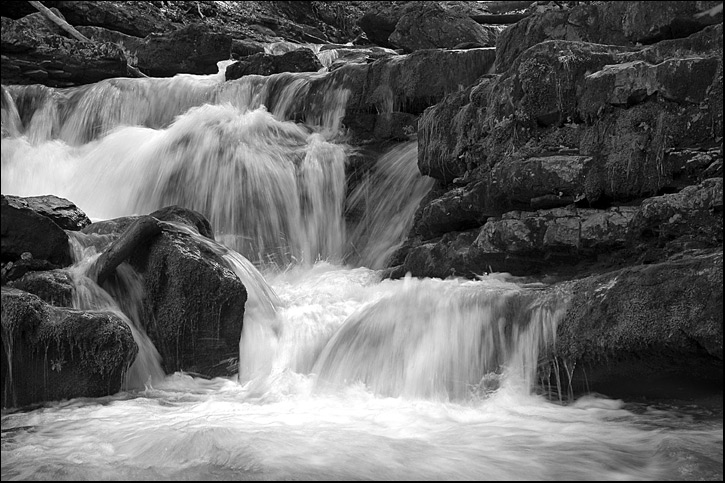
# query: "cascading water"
{"points": [[342, 375]]}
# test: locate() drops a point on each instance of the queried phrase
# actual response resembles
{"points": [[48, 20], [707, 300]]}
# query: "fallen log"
{"points": [[59, 21], [131, 69], [138, 233]]}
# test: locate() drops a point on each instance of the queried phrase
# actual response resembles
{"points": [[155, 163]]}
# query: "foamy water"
{"points": [[286, 425]]}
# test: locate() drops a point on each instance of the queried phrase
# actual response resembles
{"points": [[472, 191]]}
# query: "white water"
{"points": [[342, 375]]}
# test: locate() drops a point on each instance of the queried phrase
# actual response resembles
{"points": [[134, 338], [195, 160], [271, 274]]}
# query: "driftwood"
{"points": [[138, 233], [134, 71], [59, 21]]}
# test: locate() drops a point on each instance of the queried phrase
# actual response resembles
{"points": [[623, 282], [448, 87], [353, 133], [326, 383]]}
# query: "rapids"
{"points": [[342, 374]]}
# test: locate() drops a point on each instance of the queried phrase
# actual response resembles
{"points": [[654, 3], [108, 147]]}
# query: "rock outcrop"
{"points": [[586, 129], [646, 330], [301, 60], [52, 353]]}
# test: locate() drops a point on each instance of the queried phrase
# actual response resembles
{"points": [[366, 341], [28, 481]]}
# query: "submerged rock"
{"points": [[52, 353]]}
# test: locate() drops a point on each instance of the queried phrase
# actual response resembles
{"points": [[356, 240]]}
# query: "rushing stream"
{"points": [[342, 375]]}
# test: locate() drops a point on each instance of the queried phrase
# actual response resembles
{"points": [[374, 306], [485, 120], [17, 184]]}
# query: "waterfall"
{"points": [[388, 198], [342, 374], [123, 298]]}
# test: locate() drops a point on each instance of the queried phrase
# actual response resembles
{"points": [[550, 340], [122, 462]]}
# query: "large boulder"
{"points": [[63, 212], [55, 287], [427, 25], [300, 60], [25, 230], [193, 303], [646, 328], [194, 49], [51, 353]]}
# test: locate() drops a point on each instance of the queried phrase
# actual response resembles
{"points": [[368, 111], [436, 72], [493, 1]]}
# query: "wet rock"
{"points": [[458, 209], [24, 230], [633, 82], [427, 25], [244, 48], [54, 287], [52, 353], [660, 323], [18, 269], [194, 49], [405, 84], [610, 23], [64, 213], [193, 306], [301, 60], [186, 216], [693, 215]]}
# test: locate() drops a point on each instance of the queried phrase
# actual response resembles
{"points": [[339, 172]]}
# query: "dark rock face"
{"points": [[398, 89], [36, 51], [64, 213], [609, 23], [556, 240], [658, 323], [114, 16], [54, 287], [52, 353], [25, 230], [427, 25], [301, 60], [380, 22], [194, 306], [193, 303], [592, 125], [194, 49]]}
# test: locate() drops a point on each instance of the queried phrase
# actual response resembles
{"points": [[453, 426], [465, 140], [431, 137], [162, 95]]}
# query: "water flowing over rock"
{"points": [[388, 247], [193, 303]]}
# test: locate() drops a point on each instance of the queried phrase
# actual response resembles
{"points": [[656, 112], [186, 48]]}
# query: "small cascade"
{"points": [[124, 298], [388, 198], [10, 125], [442, 340]]}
